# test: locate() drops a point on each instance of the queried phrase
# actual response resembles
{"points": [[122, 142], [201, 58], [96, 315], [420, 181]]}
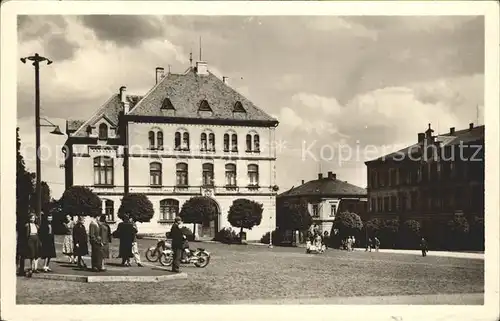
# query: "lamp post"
{"points": [[37, 59]]}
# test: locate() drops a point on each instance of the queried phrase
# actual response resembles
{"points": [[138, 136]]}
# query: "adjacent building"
{"points": [[436, 177], [328, 196], [190, 135]]}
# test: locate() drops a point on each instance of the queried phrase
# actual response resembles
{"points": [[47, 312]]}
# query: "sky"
{"points": [[344, 89]]}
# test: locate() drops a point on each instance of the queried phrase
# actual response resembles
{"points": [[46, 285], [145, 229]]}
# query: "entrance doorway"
{"points": [[209, 229]]}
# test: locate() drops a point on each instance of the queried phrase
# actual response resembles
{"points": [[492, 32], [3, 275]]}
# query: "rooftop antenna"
{"points": [[191, 58], [200, 48]]}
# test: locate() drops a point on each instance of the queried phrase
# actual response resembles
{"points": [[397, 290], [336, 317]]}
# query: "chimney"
{"points": [[452, 130], [224, 79], [421, 137], [201, 68], [302, 182], [320, 176], [471, 125], [123, 99], [160, 74]]}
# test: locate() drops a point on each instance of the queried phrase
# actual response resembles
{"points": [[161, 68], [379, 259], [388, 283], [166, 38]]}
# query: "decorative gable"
{"points": [[167, 104], [204, 106], [238, 108]]}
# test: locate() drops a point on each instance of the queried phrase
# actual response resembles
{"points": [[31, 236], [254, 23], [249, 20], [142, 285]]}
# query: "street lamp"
{"points": [[37, 59]]}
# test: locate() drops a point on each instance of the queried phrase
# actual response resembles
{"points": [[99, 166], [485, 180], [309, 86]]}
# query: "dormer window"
{"points": [[238, 108], [89, 130], [103, 131], [204, 106], [167, 104]]}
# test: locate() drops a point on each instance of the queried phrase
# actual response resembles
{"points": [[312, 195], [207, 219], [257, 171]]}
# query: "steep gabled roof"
{"points": [[186, 91], [325, 187], [464, 136], [110, 110]]}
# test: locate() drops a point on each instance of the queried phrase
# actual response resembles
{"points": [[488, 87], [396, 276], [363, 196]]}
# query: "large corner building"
{"points": [[190, 135], [433, 179]]}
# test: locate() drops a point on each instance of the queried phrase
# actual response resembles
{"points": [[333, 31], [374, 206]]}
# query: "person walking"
{"points": [[105, 232], [369, 245], [177, 244], [67, 247], [32, 250], [80, 242], [48, 250], [95, 246], [135, 245], [349, 244], [377, 244], [423, 247]]}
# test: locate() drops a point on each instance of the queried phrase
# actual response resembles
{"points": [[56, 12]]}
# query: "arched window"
{"points": [[151, 136], [203, 146], [159, 140], [249, 143], [177, 142], [169, 209], [234, 143], [185, 141], [256, 143], [182, 174], [211, 142], [108, 210], [208, 174], [253, 175], [103, 131], [230, 175], [103, 170], [226, 142], [155, 174]]}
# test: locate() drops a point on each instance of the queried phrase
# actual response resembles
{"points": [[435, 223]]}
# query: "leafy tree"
{"points": [[198, 210], [81, 201], [410, 234], [245, 213], [137, 206], [458, 230], [385, 230], [24, 186], [46, 196], [476, 231], [347, 224], [293, 214]]}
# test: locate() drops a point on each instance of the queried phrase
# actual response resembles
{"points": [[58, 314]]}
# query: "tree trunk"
{"points": [[194, 231], [241, 235]]}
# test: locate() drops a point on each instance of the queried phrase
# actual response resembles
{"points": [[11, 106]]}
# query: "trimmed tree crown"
{"points": [[245, 213], [81, 201], [199, 209], [137, 206], [293, 214]]}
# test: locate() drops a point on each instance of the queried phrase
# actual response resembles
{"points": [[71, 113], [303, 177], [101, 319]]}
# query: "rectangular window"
{"points": [[109, 211], [253, 175], [155, 174], [182, 174], [333, 210], [230, 175], [208, 174], [103, 170], [315, 210], [169, 209]]}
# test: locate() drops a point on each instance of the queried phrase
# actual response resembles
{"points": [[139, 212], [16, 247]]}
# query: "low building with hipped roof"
{"points": [[326, 197]]}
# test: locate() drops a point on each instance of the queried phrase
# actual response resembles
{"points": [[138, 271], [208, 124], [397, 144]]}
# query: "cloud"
{"points": [[331, 80], [124, 30]]}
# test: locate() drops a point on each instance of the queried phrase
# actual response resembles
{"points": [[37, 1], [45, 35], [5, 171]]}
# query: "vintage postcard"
{"points": [[249, 160]]}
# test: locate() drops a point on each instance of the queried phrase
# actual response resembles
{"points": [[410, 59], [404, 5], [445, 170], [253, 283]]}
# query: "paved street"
{"points": [[255, 274]]}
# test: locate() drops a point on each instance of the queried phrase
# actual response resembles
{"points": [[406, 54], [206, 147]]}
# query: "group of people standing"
{"points": [[36, 241]]}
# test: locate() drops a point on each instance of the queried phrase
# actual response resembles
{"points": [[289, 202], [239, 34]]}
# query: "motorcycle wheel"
{"points": [[202, 260], [166, 260], [151, 255]]}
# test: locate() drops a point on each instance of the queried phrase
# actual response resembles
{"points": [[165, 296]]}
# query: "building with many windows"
{"points": [[432, 179], [328, 196], [190, 135]]}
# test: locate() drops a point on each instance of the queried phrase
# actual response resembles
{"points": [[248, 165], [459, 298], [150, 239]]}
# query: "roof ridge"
{"points": [[148, 93], [96, 113]]}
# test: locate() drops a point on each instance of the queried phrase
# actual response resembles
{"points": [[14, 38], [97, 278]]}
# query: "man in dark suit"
{"points": [[177, 244]]}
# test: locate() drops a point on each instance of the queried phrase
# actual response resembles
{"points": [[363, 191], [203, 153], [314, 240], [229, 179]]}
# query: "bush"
{"points": [[410, 234], [227, 236], [137, 206], [277, 237], [81, 201], [458, 232]]}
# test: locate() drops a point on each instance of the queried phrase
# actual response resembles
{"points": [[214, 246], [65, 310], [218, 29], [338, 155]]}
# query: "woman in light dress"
{"points": [[67, 247]]}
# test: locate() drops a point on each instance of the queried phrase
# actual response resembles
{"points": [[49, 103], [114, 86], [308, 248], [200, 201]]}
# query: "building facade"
{"points": [[190, 135], [328, 196], [433, 179]]}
